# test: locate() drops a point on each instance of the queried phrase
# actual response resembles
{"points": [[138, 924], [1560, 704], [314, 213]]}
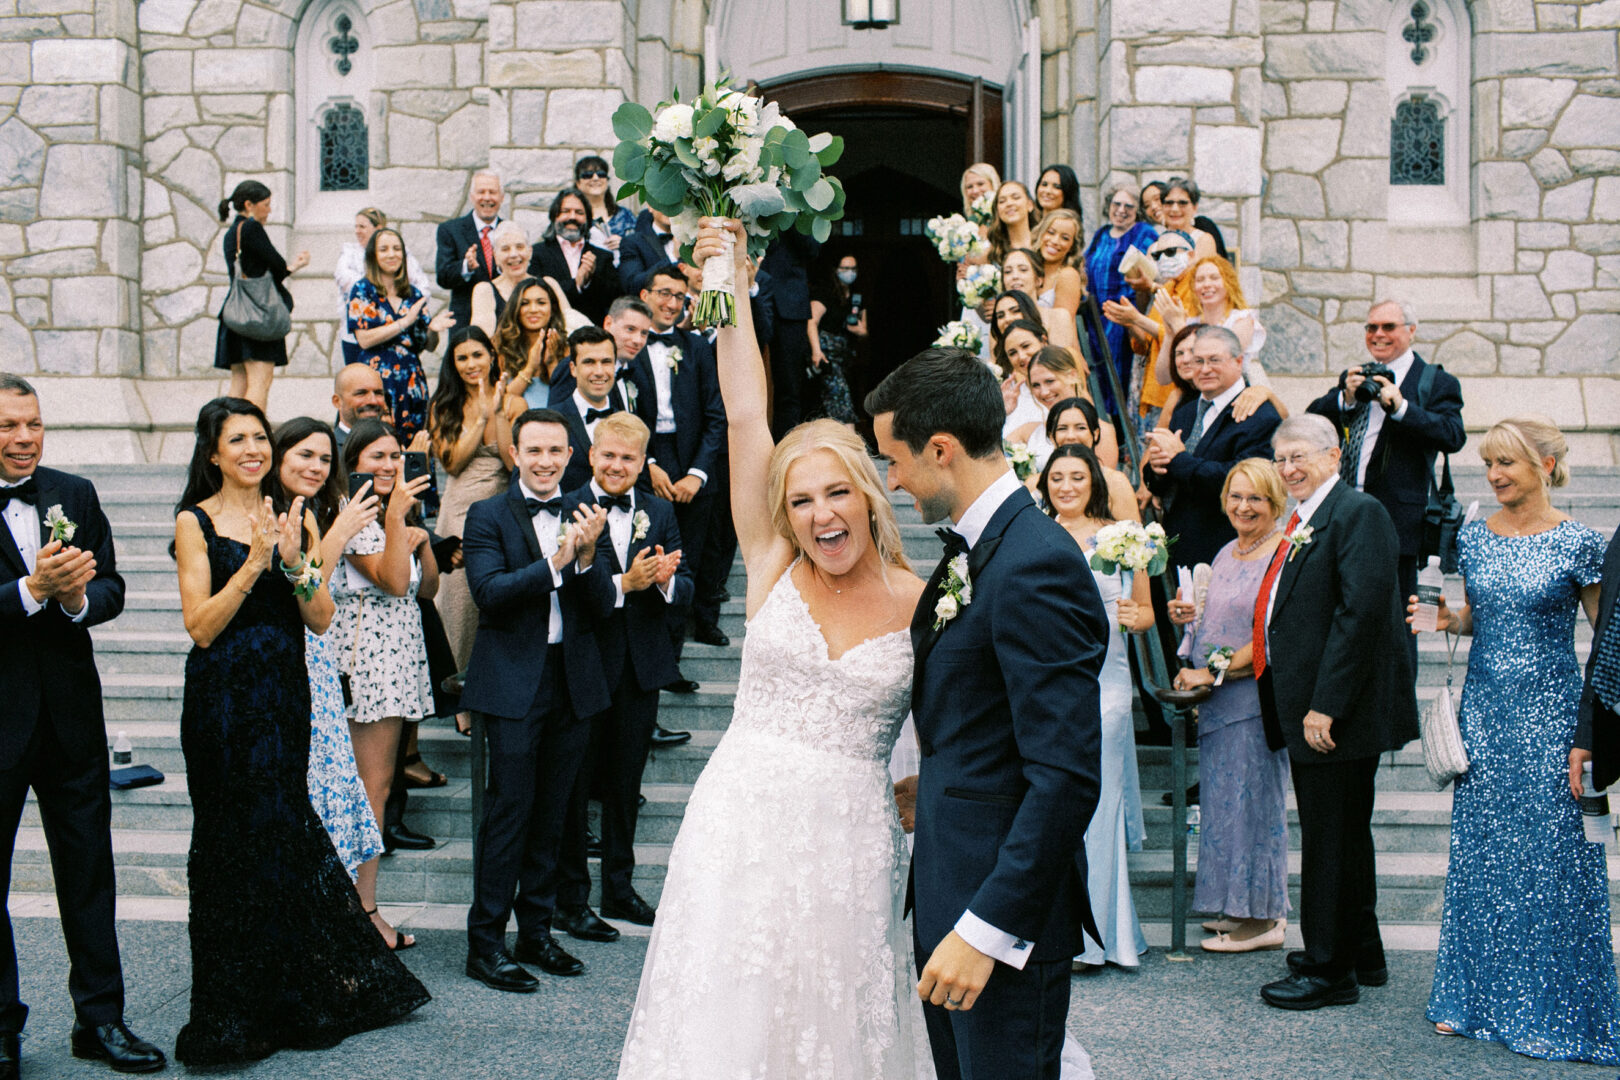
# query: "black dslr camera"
{"points": [[1369, 390]]}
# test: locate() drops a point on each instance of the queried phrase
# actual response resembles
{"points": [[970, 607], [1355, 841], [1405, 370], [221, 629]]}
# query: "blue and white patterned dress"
{"points": [[1525, 954], [335, 789]]}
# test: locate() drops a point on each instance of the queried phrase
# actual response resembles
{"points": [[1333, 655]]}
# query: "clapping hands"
{"points": [[650, 567], [577, 539]]}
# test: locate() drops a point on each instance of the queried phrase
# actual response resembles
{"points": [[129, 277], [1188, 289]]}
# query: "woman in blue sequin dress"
{"points": [[1525, 955]]}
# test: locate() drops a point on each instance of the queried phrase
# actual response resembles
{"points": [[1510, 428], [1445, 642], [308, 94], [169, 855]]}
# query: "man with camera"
{"points": [[1393, 415]]}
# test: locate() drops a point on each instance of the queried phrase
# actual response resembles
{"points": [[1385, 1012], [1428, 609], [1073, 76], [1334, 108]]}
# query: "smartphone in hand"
{"points": [[416, 464], [358, 480]]}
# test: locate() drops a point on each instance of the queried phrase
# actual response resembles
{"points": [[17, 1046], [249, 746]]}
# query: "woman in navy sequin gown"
{"points": [[1525, 955]]}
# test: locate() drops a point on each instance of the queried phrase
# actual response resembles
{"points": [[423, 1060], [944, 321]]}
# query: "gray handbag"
{"points": [[254, 308]]}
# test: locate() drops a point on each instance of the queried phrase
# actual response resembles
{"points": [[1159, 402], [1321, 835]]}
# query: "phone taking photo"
{"points": [[416, 464], [358, 480]]}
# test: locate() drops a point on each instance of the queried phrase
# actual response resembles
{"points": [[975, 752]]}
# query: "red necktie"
{"points": [[489, 251], [1263, 601]]}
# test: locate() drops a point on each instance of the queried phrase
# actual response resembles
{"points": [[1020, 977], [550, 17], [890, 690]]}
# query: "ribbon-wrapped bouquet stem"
{"points": [[727, 154]]}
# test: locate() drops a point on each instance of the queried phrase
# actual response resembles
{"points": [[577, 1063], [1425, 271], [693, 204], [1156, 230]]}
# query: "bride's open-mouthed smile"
{"points": [[825, 510]]}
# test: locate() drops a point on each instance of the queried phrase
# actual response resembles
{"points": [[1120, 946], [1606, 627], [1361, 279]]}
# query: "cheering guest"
{"points": [[1015, 346], [53, 740], [978, 179], [1153, 202], [1072, 421], [594, 391], [1023, 271], [535, 675], [1178, 211], [377, 629], [1243, 842], [1057, 189], [1209, 294], [586, 272], [1187, 463], [249, 252], [283, 952], [610, 222], [466, 245], [304, 465], [1057, 238], [641, 551], [357, 394], [1525, 955], [1102, 265], [1336, 689], [512, 254], [388, 317], [629, 320], [1016, 215], [351, 267], [1053, 375], [531, 344]]}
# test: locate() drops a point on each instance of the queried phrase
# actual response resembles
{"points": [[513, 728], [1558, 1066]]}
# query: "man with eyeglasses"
{"points": [[1390, 431], [1188, 463]]}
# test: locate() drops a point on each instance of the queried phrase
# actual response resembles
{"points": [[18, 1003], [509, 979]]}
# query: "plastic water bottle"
{"points": [[1595, 817], [1431, 585], [123, 751], [1194, 823]]}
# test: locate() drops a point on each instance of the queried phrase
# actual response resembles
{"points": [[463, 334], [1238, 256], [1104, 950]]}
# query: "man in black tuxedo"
{"points": [[53, 735], [466, 254], [1335, 688], [641, 549], [357, 394], [1010, 733], [586, 272], [786, 270], [1597, 731], [689, 424], [1188, 463], [650, 246], [535, 676], [593, 391], [1387, 447]]}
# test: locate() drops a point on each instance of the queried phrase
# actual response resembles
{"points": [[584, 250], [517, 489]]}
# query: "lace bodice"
{"points": [[789, 686]]}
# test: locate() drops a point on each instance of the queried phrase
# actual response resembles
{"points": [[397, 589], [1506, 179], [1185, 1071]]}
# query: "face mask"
{"points": [[846, 277], [1171, 263]]}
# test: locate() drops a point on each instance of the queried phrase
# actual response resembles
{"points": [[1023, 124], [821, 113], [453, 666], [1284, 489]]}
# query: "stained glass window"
{"points": [[345, 150], [1417, 143]]}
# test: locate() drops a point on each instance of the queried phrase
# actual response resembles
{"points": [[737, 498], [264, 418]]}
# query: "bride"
{"points": [[780, 948]]}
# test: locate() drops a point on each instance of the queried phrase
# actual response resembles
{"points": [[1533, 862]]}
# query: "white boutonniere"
{"points": [[673, 360], [1298, 539], [562, 531], [958, 592], [61, 527], [640, 523], [630, 392]]}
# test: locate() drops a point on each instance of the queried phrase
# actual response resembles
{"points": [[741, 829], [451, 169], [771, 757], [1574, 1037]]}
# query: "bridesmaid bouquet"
{"points": [[727, 154], [978, 284], [961, 335], [955, 237], [983, 210], [1019, 457], [1131, 546]]}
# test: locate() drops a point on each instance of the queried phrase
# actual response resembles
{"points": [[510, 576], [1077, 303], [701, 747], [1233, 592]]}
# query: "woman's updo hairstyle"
{"points": [[245, 192], [1529, 438]]}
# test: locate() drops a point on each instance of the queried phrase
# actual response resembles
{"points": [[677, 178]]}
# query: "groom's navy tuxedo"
{"points": [[1006, 703]]}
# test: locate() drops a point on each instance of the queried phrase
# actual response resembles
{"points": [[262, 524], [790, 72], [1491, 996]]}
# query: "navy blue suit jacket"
{"points": [[578, 472], [600, 290], [1598, 729], [787, 261], [636, 636], [453, 238], [640, 253], [1191, 489], [700, 415], [47, 666], [511, 584], [1006, 703]]}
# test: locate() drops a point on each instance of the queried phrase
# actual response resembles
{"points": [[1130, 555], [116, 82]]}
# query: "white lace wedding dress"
{"points": [[780, 951]]}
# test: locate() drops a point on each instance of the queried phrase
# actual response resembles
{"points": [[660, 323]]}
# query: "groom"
{"points": [[1005, 699]]}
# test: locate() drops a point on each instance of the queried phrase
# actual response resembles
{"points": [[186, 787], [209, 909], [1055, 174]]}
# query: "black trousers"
{"points": [[1338, 890], [533, 764], [1406, 572], [1015, 1029], [76, 812], [790, 355], [619, 741], [719, 552]]}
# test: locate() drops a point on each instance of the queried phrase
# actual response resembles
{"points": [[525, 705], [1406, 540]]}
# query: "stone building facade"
{"points": [[123, 124]]}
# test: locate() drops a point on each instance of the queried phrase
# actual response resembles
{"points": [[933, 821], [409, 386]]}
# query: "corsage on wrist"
{"points": [[1218, 661], [304, 577]]}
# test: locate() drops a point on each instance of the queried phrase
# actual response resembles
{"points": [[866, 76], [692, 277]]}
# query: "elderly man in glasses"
{"points": [[1392, 420]]}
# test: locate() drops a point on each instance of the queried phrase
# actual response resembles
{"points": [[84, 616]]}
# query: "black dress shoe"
{"points": [[10, 1057], [398, 836], [680, 686], [1364, 976], [118, 1046], [593, 845], [1301, 992], [663, 738], [499, 971], [632, 909], [545, 954], [582, 923], [709, 635]]}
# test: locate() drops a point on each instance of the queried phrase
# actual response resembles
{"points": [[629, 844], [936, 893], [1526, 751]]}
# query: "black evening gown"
{"points": [[282, 953]]}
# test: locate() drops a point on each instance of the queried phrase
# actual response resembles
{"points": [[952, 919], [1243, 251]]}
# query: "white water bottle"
{"points": [[1195, 821], [1431, 586], [1595, 817], [123, 751]]}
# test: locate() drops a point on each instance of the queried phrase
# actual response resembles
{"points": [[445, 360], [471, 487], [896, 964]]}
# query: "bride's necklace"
{"points": [[816, 573], [1252, 548]]}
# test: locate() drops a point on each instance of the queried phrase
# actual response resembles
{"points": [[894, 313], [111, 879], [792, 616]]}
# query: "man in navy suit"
{"points": [[650, 246], [1009, 637], [641, 550], [592, 391], [689, 423], [786, 267], [465, 254], [1188, 463], [53, 737], [566, 255], [535, 677]]}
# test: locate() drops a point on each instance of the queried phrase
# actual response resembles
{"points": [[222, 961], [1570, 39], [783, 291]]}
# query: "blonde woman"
{"points": [[1057, 239], [790, 841]]}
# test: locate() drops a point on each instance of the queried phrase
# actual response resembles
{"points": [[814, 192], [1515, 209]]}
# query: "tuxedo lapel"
{"points": [[49, 496], [1212, 429], [525, 520], [8, 548], [1294, 564]]}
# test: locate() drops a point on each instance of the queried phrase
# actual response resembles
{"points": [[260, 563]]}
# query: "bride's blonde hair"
{"points": [[847, 447]]}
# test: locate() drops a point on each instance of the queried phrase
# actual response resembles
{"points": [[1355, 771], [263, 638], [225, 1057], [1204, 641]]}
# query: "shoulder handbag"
{"points": [[354, 652], [1443, 752], [1443, 516], [253, 307]]}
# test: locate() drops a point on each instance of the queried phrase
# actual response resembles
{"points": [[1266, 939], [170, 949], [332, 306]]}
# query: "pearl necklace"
{"points": [[1252, 548]]}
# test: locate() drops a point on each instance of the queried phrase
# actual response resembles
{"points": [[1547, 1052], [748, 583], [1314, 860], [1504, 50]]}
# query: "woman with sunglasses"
{"points": [[1179, 211], [610, 222]]}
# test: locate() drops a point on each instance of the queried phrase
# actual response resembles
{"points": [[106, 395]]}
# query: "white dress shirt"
{"points": [[1375, 419], [998, 944], [545, 530], [582, 405], [663, 383], [485, 229], [573, 252], [1304, 510], [621, 530], [23, 521]]}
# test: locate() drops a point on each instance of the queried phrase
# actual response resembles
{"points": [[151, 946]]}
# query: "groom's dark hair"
{"points": [[943, 390]]}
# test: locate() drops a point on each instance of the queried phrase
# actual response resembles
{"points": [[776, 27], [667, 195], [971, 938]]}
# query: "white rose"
{"points": [[705, 147], [675, 122], [946, 608]]}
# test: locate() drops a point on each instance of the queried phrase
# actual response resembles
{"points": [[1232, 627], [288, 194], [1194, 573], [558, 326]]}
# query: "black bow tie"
{"points": [[955, 543], [671, 339], [614, 502], [552, 506], [27, 491], [593, 415]]}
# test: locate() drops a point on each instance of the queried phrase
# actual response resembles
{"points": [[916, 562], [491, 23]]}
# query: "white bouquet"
{"points": [[1019, 457], [983, 210], [728, 154], [955, 237], [962, 335], [978, 284], [1129, 545]]}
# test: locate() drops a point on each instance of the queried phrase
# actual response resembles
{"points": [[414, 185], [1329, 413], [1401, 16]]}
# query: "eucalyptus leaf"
{"points": [[829, 155], [796, 149], [806, 176], [784, 221], [684, 152], [820, 195], [818, 143], [821, 228], [709, 123], [630, 161], [632, 122], [795, 200], [665, 187], [757, 200]]}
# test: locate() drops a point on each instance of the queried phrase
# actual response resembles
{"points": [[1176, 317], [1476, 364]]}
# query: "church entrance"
{"points": [[907, 138]]}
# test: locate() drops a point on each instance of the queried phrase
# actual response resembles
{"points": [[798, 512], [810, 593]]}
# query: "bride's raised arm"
{"points": [[742, 387]]}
